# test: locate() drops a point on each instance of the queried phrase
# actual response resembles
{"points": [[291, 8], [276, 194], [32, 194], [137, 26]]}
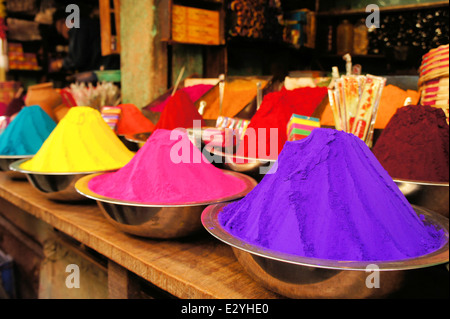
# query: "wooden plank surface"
{"points": [[197, 267]]}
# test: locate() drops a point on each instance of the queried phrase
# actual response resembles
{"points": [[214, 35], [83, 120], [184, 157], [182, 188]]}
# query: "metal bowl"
{"points": [[254, 167], [7, 160], [207, 136], [153, 220], [131, 146], [138, 140], [432, 196], [300, 277], [54, 186]]}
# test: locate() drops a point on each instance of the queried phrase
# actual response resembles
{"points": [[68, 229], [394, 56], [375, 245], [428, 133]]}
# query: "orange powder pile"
{"points": [[392, 99], [237, 95], [132, 121]]}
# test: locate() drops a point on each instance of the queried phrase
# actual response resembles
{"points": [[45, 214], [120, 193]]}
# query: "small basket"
{"points": [[434, 79]]}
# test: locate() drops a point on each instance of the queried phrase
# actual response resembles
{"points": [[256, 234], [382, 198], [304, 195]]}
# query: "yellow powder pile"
{"points": [[237, 95], [392, 99], [81, 142]]}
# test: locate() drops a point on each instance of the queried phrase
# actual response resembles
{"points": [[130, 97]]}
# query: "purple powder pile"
{"points": [[331, 199]]}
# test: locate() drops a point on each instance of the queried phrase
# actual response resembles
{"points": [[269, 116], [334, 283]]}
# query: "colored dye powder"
{"points": [[180, 112], [194, 92], [391, 100], [237, 95], [154, 175], [3, 108], [415, 145], [132, 121], [27, 132], [81, 142], [331, 199], [14, 106], [275, 112]]}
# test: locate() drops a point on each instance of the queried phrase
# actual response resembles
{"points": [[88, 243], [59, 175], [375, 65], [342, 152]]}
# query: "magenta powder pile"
{"points": [[331, 199], [153, 176]]}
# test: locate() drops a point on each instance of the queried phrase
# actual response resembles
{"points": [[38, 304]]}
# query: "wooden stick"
{"points": [[178, 80]]}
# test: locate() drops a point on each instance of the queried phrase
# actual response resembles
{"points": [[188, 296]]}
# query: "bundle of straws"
{"points": [[354, 100], [104, 94]]}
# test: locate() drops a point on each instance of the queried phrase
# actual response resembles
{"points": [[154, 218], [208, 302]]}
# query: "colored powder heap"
{"points": [[14, 106], [180, 112], [237, 95], [415, 145], [194, 92], [27, 132], [391, 100], [3, 108], [132, 121], [81, 142], [330, 199], [276, 111], [152, 176]]}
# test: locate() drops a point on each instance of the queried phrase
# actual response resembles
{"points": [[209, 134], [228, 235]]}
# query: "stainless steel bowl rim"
{"points": [[81, 187], [425, 183], [210, 222], [15, 157], [15, 166], [135, 137]]}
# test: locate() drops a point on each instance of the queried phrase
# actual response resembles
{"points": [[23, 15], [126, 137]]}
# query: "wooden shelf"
{"points": [[20, 15], [197, 267], [358, 56], [409, 7], [25, 70]]}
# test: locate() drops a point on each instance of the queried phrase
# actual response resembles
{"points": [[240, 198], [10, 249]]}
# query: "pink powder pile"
{"points": [[153, 176]]}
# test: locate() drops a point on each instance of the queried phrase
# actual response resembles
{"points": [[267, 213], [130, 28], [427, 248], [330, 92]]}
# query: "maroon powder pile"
{"points": [[415, 145]]}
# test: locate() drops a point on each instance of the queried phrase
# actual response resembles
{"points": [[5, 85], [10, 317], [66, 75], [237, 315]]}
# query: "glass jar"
{"points": [[344, 41], [360, 38]]}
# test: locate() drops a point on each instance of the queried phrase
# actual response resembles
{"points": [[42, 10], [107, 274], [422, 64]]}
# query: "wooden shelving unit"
{"points": [[385, 60], [407, 7], [110, 26]]}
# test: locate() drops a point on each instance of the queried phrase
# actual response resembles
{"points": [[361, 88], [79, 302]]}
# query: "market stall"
{"points": [[243, 176]]}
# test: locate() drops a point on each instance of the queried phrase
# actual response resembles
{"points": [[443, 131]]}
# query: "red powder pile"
{"points": [[156, 176], [132, 121], [415, 145], [275, 112], [195, 92], [180, 112]]}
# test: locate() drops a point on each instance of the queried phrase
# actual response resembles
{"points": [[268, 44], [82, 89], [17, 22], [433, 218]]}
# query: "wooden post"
{"points": [[143, 55], [120, 285]]}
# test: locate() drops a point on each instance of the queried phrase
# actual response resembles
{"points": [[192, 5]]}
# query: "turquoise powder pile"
{"points": [[27, 132]]}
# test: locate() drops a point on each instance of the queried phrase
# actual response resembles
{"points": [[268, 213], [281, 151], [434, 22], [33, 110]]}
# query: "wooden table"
{"points": [[197, 267]]}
